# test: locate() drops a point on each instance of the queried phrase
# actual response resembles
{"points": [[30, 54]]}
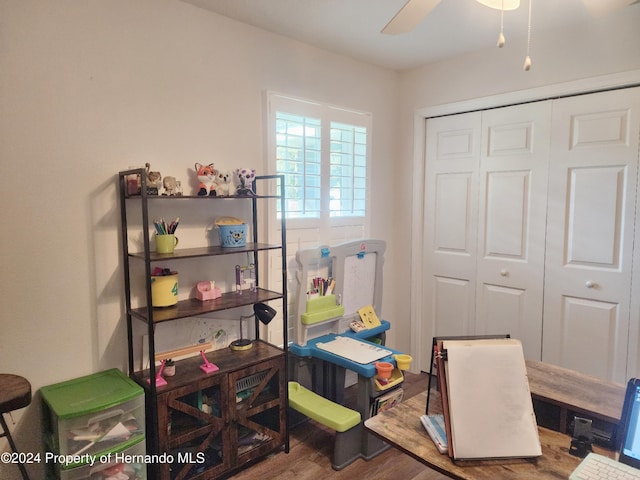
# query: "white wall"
{"points": [[88, 88], [609, 45]]}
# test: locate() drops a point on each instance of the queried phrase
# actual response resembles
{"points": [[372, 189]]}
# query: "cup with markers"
{"points": [[321, 287], [166, 240]]}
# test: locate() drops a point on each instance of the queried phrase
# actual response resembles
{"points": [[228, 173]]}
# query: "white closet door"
{"points": [[512, 223], [452, 163], [590, 232]]}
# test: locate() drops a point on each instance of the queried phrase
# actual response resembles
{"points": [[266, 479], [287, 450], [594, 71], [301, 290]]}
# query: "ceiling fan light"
{"points": [[497, 4]]}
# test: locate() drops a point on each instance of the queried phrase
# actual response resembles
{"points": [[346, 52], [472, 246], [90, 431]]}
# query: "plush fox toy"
{"points": [[207, 178]]}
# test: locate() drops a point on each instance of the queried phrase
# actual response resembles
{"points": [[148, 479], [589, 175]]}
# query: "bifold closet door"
{"points": [[450, 230], [512, 223], [486, 192], [590, 232]]}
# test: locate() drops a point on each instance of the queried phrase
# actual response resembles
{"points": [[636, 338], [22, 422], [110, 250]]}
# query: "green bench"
{"points": [[345, 422]]}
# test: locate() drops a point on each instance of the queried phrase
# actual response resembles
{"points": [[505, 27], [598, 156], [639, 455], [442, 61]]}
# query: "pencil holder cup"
{"points": [[384, 370], [403, 361], [166, 243]]}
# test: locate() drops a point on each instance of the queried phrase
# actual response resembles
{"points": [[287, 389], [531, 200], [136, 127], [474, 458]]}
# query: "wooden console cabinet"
{"points": [[210, 425]]}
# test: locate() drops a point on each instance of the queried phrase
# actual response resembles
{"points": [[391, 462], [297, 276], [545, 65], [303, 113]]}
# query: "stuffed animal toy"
{"points": [[207, 178], [223, 183], [154, 180], [245, 180]]}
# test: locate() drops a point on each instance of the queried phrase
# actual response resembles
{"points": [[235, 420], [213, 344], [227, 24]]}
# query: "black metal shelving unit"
{"points": [[151, 316]]}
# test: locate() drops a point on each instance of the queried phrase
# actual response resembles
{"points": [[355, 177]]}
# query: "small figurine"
{"points": [[245, 179], [207, 291], [246, 278], [154, 180], [223, 182], [170, 186], [207, 178]]}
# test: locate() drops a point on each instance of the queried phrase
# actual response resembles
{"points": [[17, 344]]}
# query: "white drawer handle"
{"points": [[504, 272], [589, 284]]}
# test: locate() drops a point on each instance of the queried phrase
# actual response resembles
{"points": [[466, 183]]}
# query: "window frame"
{"points": [[327, 114]]}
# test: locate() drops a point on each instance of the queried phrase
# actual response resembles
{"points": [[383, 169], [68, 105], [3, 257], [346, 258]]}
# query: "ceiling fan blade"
{"points": [[600, 8], [409, 16]]}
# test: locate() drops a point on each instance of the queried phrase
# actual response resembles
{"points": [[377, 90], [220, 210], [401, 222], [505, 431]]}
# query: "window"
{"points": [[348, 172], [323, 153], [298, 157]]}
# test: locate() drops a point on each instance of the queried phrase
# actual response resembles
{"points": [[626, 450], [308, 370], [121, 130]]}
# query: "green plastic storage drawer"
{"points": [[92, 415], [119, 464]]}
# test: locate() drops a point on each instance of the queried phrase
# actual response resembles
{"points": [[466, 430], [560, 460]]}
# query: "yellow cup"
{"points": [[403, 361], [166, 243]]}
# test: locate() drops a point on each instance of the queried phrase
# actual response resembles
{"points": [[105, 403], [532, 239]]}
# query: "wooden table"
{"points": [[559, 394], [401, 427]]}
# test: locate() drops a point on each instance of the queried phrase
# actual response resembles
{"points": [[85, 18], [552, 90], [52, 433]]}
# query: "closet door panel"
{"points": [[595, 199], [590, 326], [505, 307], [451, 303], [592, 192], [512, 221], [452, 159], [452, 207]]}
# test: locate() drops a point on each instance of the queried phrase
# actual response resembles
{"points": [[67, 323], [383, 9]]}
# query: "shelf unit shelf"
{"points": [[226, 360], [194, 307], [210, 251], [205, 198]]}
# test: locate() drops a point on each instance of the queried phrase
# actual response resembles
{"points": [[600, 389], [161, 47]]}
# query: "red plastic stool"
{"points": [[15, 393]]}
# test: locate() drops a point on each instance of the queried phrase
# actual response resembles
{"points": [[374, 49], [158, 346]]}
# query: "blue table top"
{"points": [[367, 370]]}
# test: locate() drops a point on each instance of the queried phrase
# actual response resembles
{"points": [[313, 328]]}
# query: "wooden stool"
{"points": [[15, 393]]}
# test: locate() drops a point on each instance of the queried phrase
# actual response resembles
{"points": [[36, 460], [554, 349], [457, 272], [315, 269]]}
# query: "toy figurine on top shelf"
{"points": [[172, 187], [207, 179], [218, 183], [245, 181], [154, 180], [223, 183]]}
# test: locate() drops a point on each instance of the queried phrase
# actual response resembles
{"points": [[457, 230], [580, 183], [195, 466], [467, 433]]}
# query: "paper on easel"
{"points": [[490, 407]]}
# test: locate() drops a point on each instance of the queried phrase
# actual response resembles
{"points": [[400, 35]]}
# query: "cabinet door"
{"points": [[512, 223], [258, 421], [193, 423], [592, 197], [452, 162]]}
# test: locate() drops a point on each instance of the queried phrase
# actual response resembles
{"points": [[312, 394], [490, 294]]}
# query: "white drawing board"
{"points": [[359, 282], [356, 267], [358, 272]]}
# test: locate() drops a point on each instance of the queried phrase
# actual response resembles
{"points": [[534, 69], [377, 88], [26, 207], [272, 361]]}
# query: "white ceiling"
{"points": [[352, 27]]}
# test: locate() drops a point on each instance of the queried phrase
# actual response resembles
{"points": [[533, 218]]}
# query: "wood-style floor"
{"points": [[311, 446]]}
